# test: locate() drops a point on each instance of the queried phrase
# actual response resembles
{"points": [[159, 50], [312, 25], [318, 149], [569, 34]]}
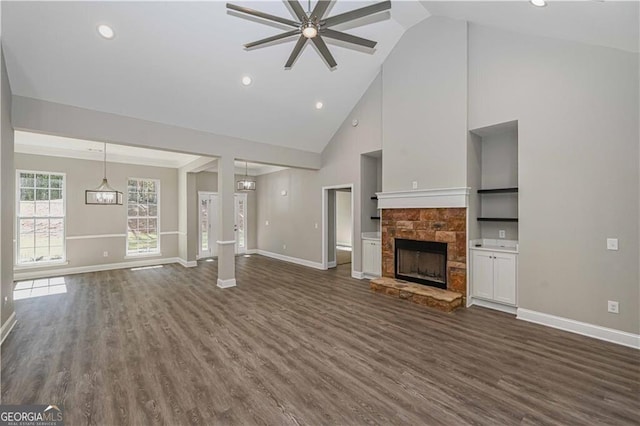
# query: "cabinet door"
{"points": [[504, 278], [482, 274], [376, 247], [367, 257]]}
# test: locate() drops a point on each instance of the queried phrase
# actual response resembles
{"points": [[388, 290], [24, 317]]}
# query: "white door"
{"points": [[241, 223], [504, 278], [482, 274], [207, 228]]}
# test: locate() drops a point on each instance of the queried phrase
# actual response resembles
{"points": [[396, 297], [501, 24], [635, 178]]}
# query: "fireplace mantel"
{"points": [[424, 198]]}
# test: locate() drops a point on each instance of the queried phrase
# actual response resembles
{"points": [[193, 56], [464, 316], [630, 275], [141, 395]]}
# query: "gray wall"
{"points": [[7, 197], [425, 107], [82, 219], [208, 181], [577, 112], [343, 218], [292, 219]]}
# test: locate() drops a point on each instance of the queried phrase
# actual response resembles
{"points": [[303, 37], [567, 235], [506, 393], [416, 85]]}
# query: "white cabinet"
{"points": [[494, 275], [371, 258]]}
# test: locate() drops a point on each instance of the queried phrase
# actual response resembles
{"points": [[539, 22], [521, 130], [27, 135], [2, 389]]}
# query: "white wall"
{"points": [[577, 112], [425, 107], [7, 197], [343, 218]]}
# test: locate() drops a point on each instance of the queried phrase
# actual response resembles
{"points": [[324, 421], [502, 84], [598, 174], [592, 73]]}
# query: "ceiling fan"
{"points": [[312, 25]]}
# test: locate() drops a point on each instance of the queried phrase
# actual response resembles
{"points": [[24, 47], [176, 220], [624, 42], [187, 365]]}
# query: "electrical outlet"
{"points": [[284, 247], [266, 223], [612, 244], [613, 307], [502, 233], [105, 254], [414, 184], [316, 226]]}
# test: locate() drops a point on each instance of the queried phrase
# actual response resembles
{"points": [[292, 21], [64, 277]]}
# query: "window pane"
{"points": [[56, 253], [56, 208], [26, 180], [27, 208], [42, 208], [27, 233], [132, 225], [152, 224], [55, 181], [56, 232], [42, 254], [42, 233], [56, 194], [152, 209], [42, 181], [42, 194], [26, 255], [27, 195]]}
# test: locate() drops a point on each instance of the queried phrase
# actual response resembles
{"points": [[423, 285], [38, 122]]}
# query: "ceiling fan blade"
{"points": [[296, 52], [357, 13], [297, 9], [320, 9], [324, 51], [272, 38], [262, 15], [337, 35]]}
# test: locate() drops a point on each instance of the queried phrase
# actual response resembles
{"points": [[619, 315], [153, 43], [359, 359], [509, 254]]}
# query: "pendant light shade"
{"points": [[103, 194], [246, 184]]}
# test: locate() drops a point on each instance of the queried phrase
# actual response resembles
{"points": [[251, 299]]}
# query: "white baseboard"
{"points": [[7, 327], [252, 251], [297, 261], [226, 283], [492, 305], [187, 263], [332, 264], [602, 333], [46, 273], [357, 275]]}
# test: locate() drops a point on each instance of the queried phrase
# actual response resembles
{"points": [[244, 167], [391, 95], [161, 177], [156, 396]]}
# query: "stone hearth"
{"points": [[443, 300], [447, 225]]}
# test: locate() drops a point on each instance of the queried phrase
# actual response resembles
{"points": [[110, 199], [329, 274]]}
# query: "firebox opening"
{"points": [[423, 262]]}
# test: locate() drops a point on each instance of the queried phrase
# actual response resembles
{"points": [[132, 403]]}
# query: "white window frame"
{"points": [[17, 263], [157, 252]]}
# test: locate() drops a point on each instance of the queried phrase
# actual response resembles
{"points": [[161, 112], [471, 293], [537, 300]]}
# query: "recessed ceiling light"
{"points": [[319, 105], [106, 31], [538, 3], [246, 80]]}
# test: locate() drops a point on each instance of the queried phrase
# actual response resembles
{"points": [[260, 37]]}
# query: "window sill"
{"points": [[39, 265], [138, 256]]}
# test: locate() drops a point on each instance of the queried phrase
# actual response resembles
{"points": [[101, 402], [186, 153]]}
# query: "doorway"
{"points": [[207, 226], [337, 226]]}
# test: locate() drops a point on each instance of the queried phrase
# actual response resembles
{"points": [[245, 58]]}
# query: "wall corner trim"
{"points": [[590, 330], [7, 327], [187, 263], [297, 261], [424, 198], [332, 264], [227, 283]]}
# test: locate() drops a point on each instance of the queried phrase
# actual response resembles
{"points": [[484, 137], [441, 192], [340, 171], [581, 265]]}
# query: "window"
{"points": [[143, 222], [40, 217]]}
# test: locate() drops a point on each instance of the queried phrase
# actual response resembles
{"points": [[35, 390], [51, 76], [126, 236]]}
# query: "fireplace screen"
{"points": [[423, 262]]}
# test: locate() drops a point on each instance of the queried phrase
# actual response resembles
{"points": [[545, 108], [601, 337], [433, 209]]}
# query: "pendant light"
{"points": [[246, 184], [104, 194]]}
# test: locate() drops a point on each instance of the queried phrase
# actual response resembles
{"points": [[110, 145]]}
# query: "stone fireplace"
{"points": [[444, 228]]}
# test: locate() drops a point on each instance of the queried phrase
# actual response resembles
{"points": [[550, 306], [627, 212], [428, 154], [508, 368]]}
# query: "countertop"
{"points": [[371, 236], [485, 247]]}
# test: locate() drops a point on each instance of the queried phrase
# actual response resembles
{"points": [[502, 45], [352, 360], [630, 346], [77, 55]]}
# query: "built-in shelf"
{"points": [[497, 219], [498, 191], [375, 217]]}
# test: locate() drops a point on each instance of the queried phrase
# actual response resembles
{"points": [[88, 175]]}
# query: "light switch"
{"points": [[502, 233], [414, 184], [612, 244], [266, 223]]}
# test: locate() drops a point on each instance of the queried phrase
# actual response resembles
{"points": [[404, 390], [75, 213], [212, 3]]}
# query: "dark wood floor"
{"points": [[292, 345]]}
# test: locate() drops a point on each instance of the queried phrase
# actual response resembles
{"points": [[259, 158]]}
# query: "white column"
{"points": [[226, 223]]}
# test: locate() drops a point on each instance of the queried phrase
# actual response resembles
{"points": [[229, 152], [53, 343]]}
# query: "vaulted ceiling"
{"points": [[181, 63]]}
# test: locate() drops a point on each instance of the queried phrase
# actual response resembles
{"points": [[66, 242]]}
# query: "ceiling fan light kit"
{"points": [[312, 25]]}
